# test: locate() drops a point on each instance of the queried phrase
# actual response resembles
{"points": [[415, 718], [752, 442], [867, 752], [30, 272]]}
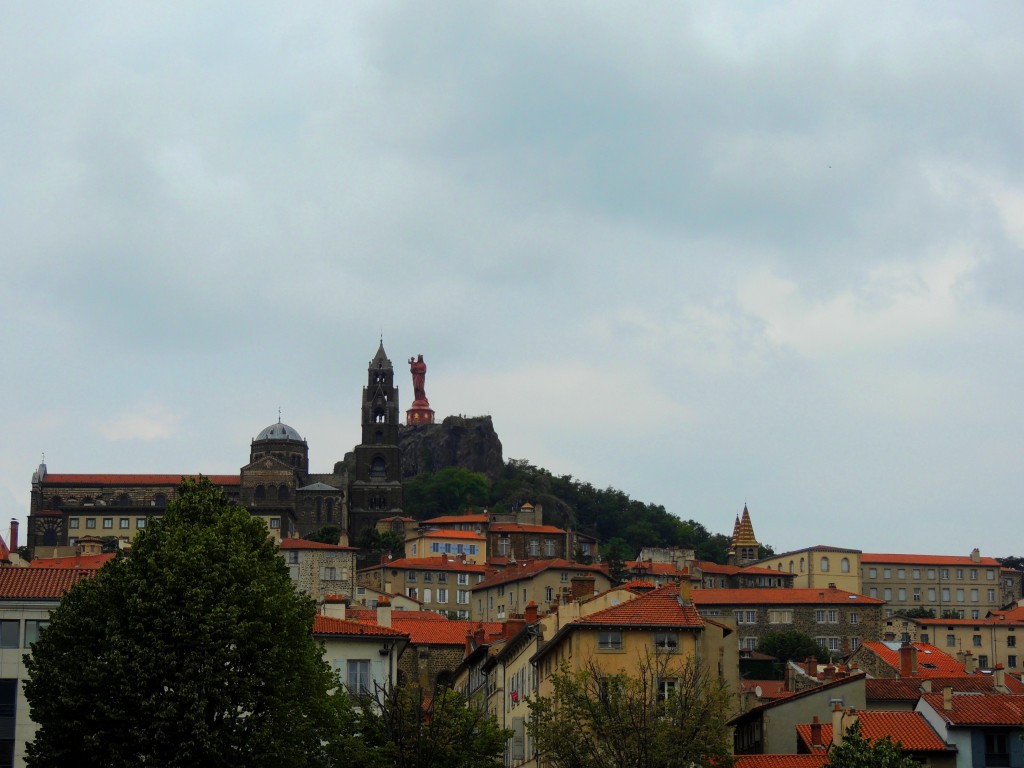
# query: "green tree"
{"points": [[856, 751], [195, 650], [329, 534], [791, 645], [448, 491], [669, 714], [400, 727]]}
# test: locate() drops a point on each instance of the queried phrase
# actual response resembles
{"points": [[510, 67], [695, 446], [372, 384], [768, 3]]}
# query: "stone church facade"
{"points": [[275, 485]]}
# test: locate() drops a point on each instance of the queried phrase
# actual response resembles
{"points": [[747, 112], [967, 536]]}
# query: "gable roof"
{"points": [[521, 528], [307, 544], [330, 625], [661, 607], [826, 686], [39, 583], [90, 562], [892, 689], [907, 727], [979, 709], [931, 661], [457, 519], [527, 569], [814, 760], [873, 558], [758, 596]]}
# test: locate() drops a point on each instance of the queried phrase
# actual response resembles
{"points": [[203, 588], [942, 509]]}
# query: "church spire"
{"points": [[745, 546]]}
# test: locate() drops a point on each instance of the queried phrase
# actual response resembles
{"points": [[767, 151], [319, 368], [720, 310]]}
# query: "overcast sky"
{"points": [[705, 253]]}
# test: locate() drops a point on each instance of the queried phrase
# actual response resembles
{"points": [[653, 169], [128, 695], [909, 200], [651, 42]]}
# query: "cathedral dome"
{"points": [[279, 431]]}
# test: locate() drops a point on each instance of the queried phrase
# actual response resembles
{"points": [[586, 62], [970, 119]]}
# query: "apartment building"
{"points": [[443, 584], [819, 566], [966, 587], [996, 639], [838, 619], [542, 582]]}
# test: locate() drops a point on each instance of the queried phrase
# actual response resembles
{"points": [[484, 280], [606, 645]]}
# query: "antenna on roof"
{"points": [[279, 414]]}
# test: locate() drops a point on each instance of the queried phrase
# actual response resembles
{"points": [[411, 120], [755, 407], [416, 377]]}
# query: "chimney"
{"points": [[583, 585], [975, 555], [908, 660], [947, 698], [999, 679], [684, 584], [444, 557], [830, 672], [469, 642], [837, 725], [970, 663], [531, 613], [384, 611], [14, 534], [815, 733], [832, 586], [343, 539], [334, 606], [513, 624], [811, 666], [479, 635]]}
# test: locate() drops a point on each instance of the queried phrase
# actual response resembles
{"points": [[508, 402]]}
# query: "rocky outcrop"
{"points": [[458, 441]]}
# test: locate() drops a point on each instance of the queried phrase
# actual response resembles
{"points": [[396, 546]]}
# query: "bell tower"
{"points": [[376, 487], [745, 546]]}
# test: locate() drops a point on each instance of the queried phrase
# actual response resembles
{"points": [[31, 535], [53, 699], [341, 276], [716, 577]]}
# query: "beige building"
{"points": [[442, 584], [546, 583], [364, 654], [818, 567], [454, 543], [966, 587], [997, 639]]}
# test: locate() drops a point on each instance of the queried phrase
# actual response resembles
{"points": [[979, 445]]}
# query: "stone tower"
{"points": [[375, 490], [744, 543]]}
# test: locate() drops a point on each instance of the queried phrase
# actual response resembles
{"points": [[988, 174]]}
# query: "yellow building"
{"points": [[818, 567], [454, 543]]}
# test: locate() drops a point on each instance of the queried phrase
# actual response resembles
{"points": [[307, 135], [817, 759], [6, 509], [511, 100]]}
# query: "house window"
{"points": [[944, 573], [945, 594], [976, 641], [140, 523], [828, 643], [73, 522], [974, 595], [410, 576], [90, 522], [960, 574], [330, 574], [1011, 641], [501, 611], [975, 614], [887, 573], [950, 641], [925, 637], [549, 594], [931, 573], [534, 547], [916, 573], [463, 579], [1011, 661], [959, 595], [426, 594], [667, 689], [854, 618], [931, 594], [293, 558], [503, 545], [428, 577], [983, 661], [666, 641], [974, 574], [565, 576], [901, 595], [275, 522], [873, 592], [124, 522], [609, 641], [549, 548], [442, 578], [359, 675], [990, 575], [901, 573], [462, 597], [854, 643], [872, 573], [844, 565], [824, 565], [9, 631], [997, 750], [32, 627], [991, 595], [887, 594], [783, 616], [442, 595], [819, 616], [917, 594], [108, 522]]}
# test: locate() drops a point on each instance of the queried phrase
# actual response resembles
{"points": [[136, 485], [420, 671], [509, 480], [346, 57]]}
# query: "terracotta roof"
{"points": [[636, 585], [429, 632], [307, 544], [756, 596], [662, 607], [39, 583], [782, 761], [520, 528], [67, 479], [755, 712], [892, 688], [452, 534], [370, 614], [527, 569], [979, 708], [770, 689], [329, 625], [90, 562], [446, 519], [931, 661], [870, 558], [436, 563], [909, 728], [977, 683], [655, 569]]}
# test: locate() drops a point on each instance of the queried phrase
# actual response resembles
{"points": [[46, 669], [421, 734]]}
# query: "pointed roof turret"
{"points": [[743, 533], [380, 360]]}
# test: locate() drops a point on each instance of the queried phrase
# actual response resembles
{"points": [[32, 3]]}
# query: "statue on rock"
{"points": [[420, 412]]}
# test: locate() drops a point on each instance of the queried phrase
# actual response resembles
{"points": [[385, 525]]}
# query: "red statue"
{"points": [[418, 369]]}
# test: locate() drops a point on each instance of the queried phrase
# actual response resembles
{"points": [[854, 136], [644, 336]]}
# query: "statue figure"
{"points": [[418, 369]]}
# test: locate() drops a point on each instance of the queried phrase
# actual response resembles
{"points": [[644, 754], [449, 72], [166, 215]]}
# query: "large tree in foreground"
{"points": [[667, 714], [194, 650]]}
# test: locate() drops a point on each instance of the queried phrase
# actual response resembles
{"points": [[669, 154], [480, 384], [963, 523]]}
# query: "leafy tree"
{"points": [[400, 727], [196, 650], [111, 544], [448, 491], [615, 553], [329, 534], [791, 645], [377, 542], [669, 714], [857, 751], [916, 613]]}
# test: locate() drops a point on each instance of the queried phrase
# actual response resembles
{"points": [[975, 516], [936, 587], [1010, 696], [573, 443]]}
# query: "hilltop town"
{"points": [[492, 602]]}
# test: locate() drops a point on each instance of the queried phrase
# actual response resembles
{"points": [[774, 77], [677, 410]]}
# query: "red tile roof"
{"points": [[527, 569], [306, 544], [447, 519], [453, 534], [437, 563], [870, 558], [931, 662], [662, 607], [66, 479], [655, 569], [39, 583], [756, 596], [815, 760], [520, 528], [90, 562], [977, 683], [370, 614], [429, 632], [909, 728], [979, 708], [892, 688], [329, 625]]}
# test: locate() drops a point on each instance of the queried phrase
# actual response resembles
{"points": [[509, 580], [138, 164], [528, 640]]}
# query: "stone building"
{"points": [[320, 569]]}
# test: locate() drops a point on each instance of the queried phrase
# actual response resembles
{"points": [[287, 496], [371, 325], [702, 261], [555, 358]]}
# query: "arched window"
{"points": [[824, 565], [124, 500], [801, 565], [378, 416], [160, 500], [779, 569], [87, 501], [319, 507], [791, 566], [378, 468], [260, 493], [844, 565], [49, 538], [318, 515], [282, 493], [329, 508], [378, 436]]}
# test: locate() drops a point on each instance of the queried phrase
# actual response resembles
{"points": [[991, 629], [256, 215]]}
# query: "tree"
{"points": [[400, 727], [791, 645], [669, 714], [448, 491], [329, 534], [195, 650], [857, 751]]}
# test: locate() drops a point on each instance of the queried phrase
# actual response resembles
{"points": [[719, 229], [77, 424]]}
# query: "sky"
{"points": [[710, 254]]}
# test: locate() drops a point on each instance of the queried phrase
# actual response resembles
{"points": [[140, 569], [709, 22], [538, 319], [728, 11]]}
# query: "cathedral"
{"points": [[275, 485]]}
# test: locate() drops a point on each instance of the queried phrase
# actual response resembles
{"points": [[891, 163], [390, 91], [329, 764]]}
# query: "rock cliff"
{"points": [[458, 441]]}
